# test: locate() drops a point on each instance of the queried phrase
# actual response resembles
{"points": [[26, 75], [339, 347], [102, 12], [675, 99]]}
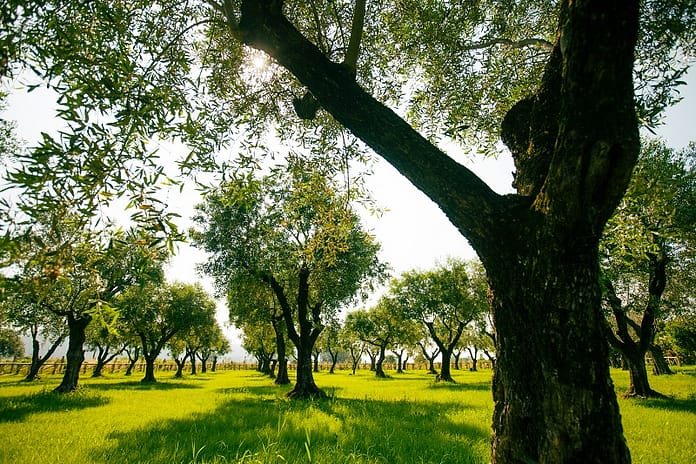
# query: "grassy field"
{"points": [[241, 417]]}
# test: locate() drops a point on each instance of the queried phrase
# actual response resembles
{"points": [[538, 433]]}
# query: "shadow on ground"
{"points": [[17, 408], [137, 385], [669, 404], [256, 424]]}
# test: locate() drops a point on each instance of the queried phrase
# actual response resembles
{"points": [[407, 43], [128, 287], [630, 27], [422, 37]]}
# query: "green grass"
{"points": [[241, 417]]}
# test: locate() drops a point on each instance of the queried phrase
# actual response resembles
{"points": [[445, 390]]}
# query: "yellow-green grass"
{"points": [[241, 417]]}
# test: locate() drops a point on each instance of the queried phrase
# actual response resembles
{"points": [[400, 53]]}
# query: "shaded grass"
{"points": [[241, 417], [18, 408]]}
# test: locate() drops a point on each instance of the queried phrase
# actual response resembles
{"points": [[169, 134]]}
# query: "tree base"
{"points": [[650, 394], [65, 388], [307, 392]]}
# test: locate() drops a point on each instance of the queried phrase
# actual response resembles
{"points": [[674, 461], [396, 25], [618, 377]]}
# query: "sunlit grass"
{"points": [[241, 417]]}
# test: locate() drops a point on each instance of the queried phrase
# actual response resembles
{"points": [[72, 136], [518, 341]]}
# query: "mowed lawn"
{"points": [[241, 417]]}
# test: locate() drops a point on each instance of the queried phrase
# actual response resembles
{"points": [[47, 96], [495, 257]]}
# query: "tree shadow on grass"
{"points": [[249, 428], [468, 386], [17, 408], [137, 385], [669, 404]]}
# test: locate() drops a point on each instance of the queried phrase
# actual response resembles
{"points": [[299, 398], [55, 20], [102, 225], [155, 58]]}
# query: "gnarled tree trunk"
{"points": [[574, 143], [75, 354]]}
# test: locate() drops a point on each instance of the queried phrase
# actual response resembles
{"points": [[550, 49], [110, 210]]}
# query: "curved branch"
{"points": [[467, 201]]}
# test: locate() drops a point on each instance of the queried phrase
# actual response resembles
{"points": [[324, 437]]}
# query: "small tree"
{"points": [[379, 327], [445, 301], [108, 344], [155, 313]]}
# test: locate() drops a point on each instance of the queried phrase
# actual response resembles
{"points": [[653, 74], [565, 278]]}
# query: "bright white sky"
{"points": [[414, 233]]}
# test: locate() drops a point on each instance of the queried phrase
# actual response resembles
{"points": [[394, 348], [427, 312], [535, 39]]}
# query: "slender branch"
{"points": [[356, 30], [317, 22], [531, 42]]}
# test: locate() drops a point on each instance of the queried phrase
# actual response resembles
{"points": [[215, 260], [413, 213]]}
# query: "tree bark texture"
{"points": [[574, 144], [660, 366], [149, 369], [379, 369], [75, 354]]}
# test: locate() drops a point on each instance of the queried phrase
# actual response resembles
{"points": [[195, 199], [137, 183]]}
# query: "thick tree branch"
{"points": [[468, 202]]}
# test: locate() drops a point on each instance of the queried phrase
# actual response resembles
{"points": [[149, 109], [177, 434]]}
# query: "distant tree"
{"points": [[156, 313], [355, 347], [177, 350], [219, 350], [11, 345], [257, 340], [23, 313], [72, 271], [295, 233], [107, 342], [251, 301], [429, 352], [680, 334], [653, 229], [329, 342], [379, 327], [213, 339], [445, 300]]}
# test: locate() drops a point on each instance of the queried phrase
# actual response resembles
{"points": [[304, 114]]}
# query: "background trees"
{"points": [[648, 243], [157, 312], [294, 233], [445, 300]]}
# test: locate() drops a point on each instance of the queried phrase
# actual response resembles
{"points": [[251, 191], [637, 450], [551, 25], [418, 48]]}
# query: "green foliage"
{"points": [[156, 312], [656, 220], [680, 337], [275, 226], [445, 299], [11, 345]]}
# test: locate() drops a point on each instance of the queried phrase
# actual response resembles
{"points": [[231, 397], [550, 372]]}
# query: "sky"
{"points": [[413, 231]]}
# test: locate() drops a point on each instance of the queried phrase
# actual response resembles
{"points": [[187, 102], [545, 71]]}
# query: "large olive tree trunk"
{"points": [[76, 353], [556, 390], [574, 142]]}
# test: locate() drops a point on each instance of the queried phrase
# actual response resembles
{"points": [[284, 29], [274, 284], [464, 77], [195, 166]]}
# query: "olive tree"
{"points": [[294, 233]]}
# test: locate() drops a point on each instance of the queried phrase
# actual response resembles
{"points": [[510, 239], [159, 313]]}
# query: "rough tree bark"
{"points": [[574, 143], [75, 354]]}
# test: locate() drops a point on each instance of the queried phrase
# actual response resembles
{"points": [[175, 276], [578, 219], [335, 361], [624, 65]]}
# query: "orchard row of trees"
{"points": [[288, 257], [102, 291], [435, 313], [565, 85]]}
